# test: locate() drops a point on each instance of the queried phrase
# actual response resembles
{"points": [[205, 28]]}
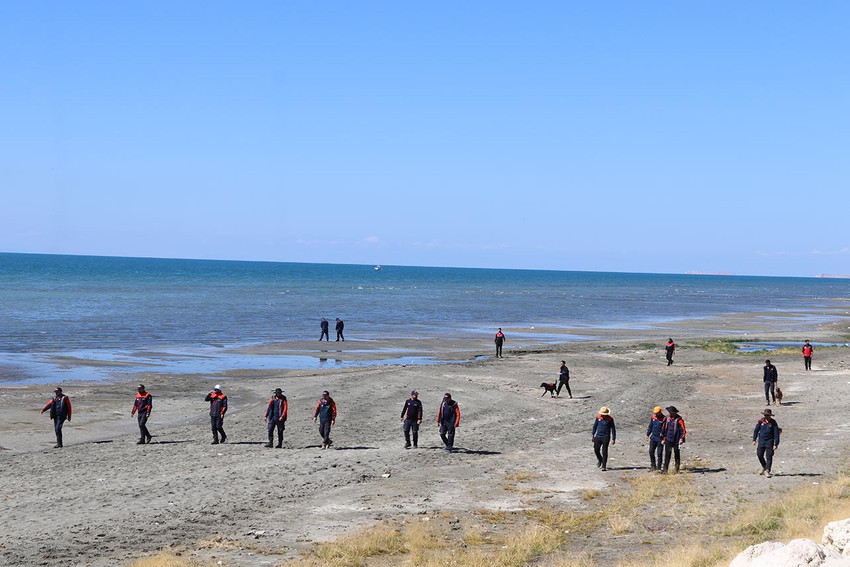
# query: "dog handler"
{"points": [[771, 377], [766, 437], [674, 435], [654, 433], [143, 404], [563, 379], [604, 431]]}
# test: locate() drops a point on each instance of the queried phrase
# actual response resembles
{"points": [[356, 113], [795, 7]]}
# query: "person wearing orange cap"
{"points": [[654, 433], [604, 432], [143, 404], [60, 410]]}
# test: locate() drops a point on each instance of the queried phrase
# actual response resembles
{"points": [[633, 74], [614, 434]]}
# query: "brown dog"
{"points": [[778, 396]]}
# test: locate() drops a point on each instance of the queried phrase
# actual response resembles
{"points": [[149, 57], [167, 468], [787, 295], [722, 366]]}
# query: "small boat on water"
{"points": [[378, 267]]}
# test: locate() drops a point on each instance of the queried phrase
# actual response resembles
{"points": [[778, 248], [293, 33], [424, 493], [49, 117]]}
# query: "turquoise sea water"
{"points": [[53, 305]]}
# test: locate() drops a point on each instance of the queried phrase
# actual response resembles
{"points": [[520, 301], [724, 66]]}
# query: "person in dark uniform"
{"points": [[60, 410], [604, 432], [143, 405], [670, 348], [674, 436], [563, 379], [325, 413], [448, 418], [324, 326], [218, 407], [808, 350], [654, 433], [411, 416], [339, 327], [766, 437], [771, 377], [499, 339], [276, 417]]}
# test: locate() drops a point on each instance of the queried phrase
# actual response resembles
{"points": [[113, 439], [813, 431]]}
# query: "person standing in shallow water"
{"points": [[499, 340], [324, 326], [604, 432], [766, 437], [563, 379], [339, 327], [670, 348], [808, 349], [60, 410]]}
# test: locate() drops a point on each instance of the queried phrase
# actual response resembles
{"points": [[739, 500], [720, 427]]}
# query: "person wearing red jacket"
{"points": [[808, 349], [218, 407], [673, 436], [60, 410], [143, 405], [276, 417], [325, 413], [448, 418]]}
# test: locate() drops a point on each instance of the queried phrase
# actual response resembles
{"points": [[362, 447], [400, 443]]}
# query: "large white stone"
{"points": [[836, 535], [798, 553]]}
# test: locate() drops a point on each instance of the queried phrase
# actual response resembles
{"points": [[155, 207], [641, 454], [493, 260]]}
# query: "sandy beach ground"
{"points": [[104, 501]]}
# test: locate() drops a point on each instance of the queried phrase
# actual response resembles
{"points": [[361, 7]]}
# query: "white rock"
{"points": [[836, 536], [798, 553]]}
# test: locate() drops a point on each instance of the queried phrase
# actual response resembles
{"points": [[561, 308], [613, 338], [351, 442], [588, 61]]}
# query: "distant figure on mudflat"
{"points": [[670, 347], [218, 407], [324, 326], [563, 379], [808, 349], [276, 417], [654, 434], [448, 418], [143, 405], [411, 417], [604, 432], [325, 413], [499, 340], [766, 437], [339, 327], [771, 377], [674, 436], [60, 410]]}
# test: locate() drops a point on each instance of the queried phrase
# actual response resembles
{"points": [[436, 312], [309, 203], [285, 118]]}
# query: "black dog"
{"points": [[548, 388]]}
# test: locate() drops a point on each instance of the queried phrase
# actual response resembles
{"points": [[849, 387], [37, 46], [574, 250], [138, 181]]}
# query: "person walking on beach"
{"points": [[766, 437], [448, 418], [808, 349], [60, 410], [276, 417], [324, 326], [499, 340], [674, 436], [339, 327], [411, 417], [563, 379], [654, 433], [771, 377], [325, 413], [143, 405], [218, 407], [604, 432], [670, 347]]}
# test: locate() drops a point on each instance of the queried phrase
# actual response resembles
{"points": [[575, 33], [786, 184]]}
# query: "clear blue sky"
{"points": [[616, 136]]}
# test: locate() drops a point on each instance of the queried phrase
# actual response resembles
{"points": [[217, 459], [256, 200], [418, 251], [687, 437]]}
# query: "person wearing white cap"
{"points": [[60, 410], [218, 407], [411, 416]]}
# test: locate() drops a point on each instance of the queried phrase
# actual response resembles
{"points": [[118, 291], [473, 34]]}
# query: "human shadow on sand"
{"points": [[789, 404], [798, 474], [244, 443], [176, 442], [472, 452], [574, 398]]}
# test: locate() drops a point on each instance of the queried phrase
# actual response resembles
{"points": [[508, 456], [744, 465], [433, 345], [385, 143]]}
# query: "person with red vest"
{"points": [[766, 437], [448, 418], [218, 407], [276, 417], [143, 405], [499, 340], [670, 348], [808, 349], [325, 413], [60, 410], [673, 436]]}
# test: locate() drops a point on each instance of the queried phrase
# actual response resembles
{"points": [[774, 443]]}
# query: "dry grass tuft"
{"points": [[165, 559]]}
